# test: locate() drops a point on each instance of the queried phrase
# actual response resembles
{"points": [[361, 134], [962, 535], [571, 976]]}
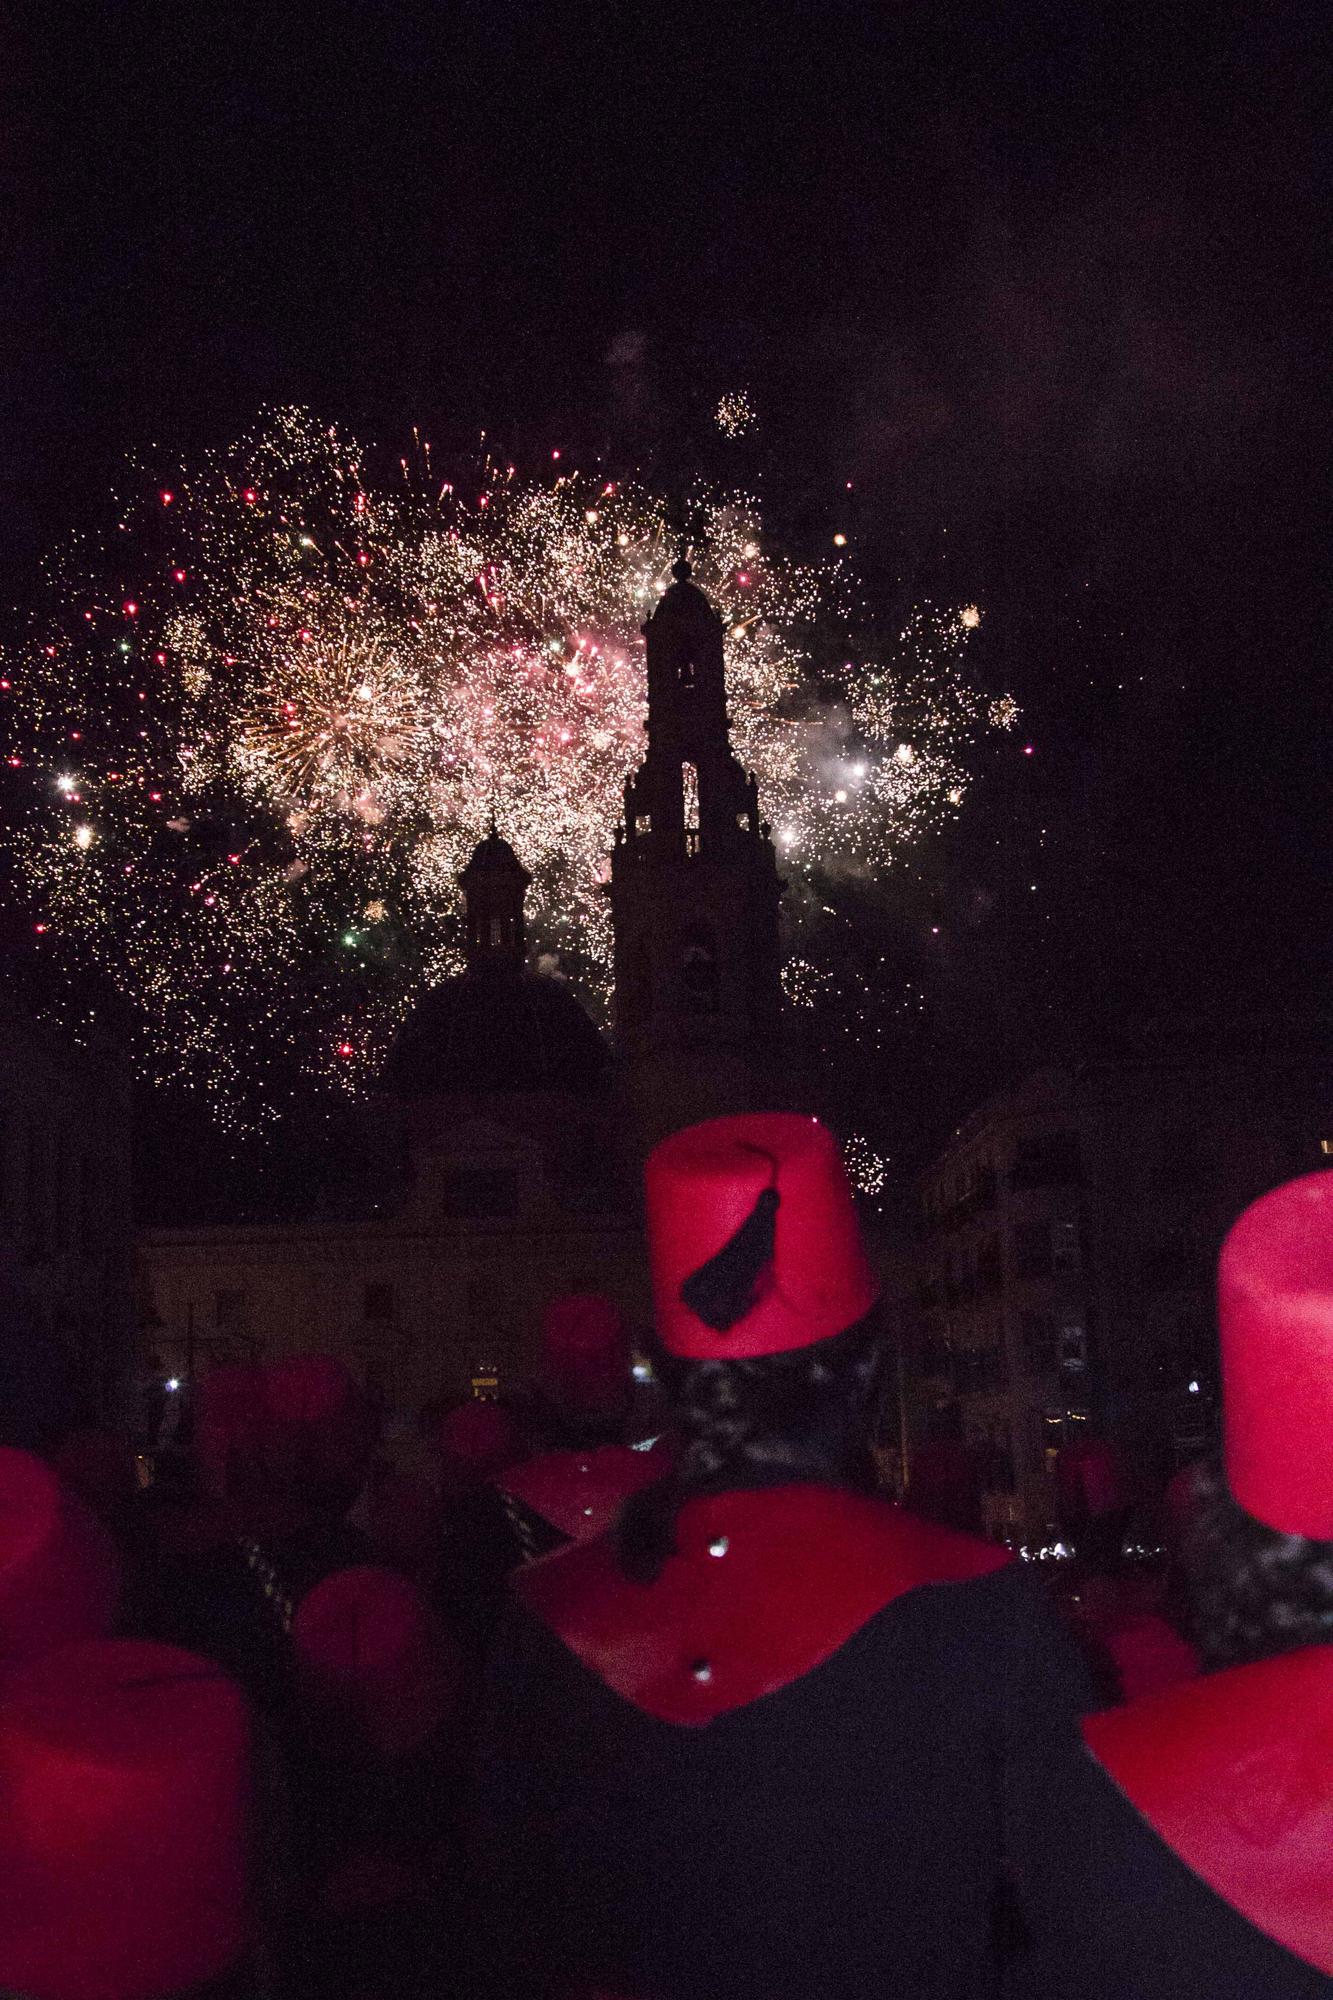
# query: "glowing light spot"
{"points": [[83, 837], [840, 541], [969, 617]]}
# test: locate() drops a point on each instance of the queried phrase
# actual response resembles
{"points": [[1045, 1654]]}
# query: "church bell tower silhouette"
{"points": [[694, 893]]}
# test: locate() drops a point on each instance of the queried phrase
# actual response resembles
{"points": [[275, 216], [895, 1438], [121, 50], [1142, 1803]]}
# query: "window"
{"points": [[1047, 1159], [1038, 1335], [1065, 1251], [1073, 1348], [475, 1194], [377, 1302], [1032, 1250], [229, 1307], [689, 778]]}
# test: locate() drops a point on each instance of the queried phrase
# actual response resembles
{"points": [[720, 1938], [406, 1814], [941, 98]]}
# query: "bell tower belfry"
{"points": [[694, 893]]}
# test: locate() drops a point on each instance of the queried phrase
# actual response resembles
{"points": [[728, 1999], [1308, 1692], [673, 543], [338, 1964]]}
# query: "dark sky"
{"points": [[1040, 279]]}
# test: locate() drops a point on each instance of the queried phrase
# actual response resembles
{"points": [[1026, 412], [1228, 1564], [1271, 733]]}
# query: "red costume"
{"points": [[59, 1572], [1194, 1857], [766, 1772], [374, 1668], [124, 1824], [574, 1492]]}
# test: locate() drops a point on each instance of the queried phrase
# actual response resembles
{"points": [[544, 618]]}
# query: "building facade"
{"points": [[1064, 1269], [519, 1131], [499, 1104], [66, 1235]]}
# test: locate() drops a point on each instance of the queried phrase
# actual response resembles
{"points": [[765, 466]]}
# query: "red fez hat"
{"points": [[753, 1238], [585, 1349], [1088, 1477], [479, 1438], [124, 1768], [314, 1418], [372, 1659], [227, 1427], [1275, 1306], [59, 1573]]}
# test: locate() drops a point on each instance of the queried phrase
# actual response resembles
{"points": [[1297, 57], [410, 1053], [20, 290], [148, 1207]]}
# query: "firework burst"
{"points": [[261, 737]]}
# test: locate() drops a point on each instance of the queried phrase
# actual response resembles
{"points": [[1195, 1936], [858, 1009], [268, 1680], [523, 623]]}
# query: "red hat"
{"points": [[1088, 1477], [125, 1771], [282, 1427], [478, 1438], [315, 1422], [59, 1573], [753, 1238], [227, 1428], [1275, 1306], [372, 1659], [585, 1350]]}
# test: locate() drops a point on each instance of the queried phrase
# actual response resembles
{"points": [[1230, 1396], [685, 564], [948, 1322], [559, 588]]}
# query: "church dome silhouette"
{"points": [[497, 1028]]}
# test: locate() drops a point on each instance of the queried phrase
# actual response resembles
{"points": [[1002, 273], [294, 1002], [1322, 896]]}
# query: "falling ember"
{"points": [[969, 617], [735, 414]]}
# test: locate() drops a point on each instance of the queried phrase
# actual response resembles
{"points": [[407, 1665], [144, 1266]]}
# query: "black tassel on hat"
{"points": [[727, 1287]]}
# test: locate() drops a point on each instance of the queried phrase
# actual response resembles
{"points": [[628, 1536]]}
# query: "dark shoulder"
{"points": [[1110, 1910]]}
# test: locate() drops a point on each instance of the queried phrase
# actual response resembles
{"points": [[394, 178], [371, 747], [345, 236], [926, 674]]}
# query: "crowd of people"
{"points": [[617, 1695]]}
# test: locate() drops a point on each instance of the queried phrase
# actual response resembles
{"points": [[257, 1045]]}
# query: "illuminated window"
{"points": [[1065, 1255]]}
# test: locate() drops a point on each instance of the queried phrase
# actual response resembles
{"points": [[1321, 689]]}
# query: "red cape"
{"points": [[581, 1492], [765, 1585], [1235, 1773]]}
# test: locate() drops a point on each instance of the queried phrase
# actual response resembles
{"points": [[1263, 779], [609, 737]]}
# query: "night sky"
{"points": [[1040, 280]]}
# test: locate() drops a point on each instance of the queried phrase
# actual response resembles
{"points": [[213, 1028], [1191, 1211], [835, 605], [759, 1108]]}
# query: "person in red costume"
{"points": [[283, 1452], [749, 1744], [572, 1489], [1115, 1607], [1182, 1848], [127, 1814]]}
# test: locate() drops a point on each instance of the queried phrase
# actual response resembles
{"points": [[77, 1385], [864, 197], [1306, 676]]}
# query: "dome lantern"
{"points": [[494, 884]]}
